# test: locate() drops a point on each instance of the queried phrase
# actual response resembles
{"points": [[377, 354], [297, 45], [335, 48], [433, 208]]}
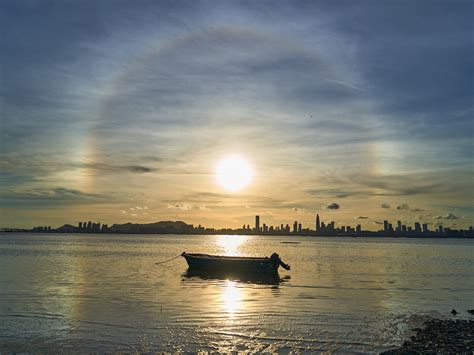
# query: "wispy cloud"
{"points": [[181, 207], [53, 195], [447, 216], [403, 207]]}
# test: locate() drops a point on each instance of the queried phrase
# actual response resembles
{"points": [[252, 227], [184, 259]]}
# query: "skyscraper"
{"points": [[318, 223], [417, 227], [257, 224]]}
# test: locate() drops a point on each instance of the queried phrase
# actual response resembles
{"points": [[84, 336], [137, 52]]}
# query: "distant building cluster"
{"points": [[42, 229], [422, 229], [91, 227], [83, 227], [296, 228], [330, 229]]}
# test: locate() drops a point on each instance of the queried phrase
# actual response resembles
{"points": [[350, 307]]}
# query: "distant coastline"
{"points": [[180, 227]]}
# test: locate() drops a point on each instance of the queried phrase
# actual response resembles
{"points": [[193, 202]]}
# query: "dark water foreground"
{"points": [[104, 293]]}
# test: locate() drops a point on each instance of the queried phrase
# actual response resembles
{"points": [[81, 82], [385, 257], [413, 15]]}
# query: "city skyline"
{"points": [[321, 228], [363, 222], [213, 112]]}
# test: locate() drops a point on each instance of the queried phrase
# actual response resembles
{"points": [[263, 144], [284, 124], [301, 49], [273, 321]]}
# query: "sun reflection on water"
{"points": [[231, 298], [230, 244]]}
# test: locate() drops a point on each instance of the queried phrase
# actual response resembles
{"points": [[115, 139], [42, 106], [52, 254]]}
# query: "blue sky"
{"points": [[109, 107]]}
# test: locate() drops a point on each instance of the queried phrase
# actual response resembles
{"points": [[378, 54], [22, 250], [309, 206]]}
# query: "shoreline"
{"points": [[439, 336]]}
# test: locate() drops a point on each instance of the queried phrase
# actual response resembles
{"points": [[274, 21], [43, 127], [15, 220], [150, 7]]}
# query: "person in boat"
{"points": [[276, 259]]}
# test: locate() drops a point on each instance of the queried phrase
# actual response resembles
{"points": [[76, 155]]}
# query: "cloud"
{"points": [[403, 207], [447, 216], [56, 195], [180, 207], [385, 205], [112, 168], [338, 193], [135, 168], [416, 210], [333, 206], [378, 222], [450, 216], [362, 217], [42, 164], [384, 185]]}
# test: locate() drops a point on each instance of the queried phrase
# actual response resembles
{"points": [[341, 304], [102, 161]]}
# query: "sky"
{"points": [[120, 111]]}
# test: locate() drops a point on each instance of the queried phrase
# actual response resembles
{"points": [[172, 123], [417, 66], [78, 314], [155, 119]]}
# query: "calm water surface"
{"points": [[81, 293]]}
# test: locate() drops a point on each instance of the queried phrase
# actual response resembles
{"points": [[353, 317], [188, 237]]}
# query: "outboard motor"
{"points": [[276, 259]]}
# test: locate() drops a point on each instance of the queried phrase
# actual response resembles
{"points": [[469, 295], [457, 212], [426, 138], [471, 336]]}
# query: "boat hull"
{"points": [[231, 264]]}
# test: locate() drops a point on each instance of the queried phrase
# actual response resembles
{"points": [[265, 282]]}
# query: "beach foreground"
{"points": [[439, 337], [436, 336]]}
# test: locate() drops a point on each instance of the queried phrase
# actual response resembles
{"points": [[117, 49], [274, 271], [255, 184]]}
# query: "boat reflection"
{"points": [[260, 279]]}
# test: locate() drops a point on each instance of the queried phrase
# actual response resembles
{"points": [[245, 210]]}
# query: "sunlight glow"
{"points": [[231, 244], [231, 298], [233, 173]]}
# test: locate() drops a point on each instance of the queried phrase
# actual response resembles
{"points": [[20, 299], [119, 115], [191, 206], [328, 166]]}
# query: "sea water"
{"points": [[105, 293]]}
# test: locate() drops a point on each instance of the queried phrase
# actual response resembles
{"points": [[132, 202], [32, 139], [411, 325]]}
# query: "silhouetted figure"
{"points": [[276, 258]]}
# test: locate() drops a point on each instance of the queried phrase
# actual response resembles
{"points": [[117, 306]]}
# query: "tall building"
{"points": [[417, 227], [295, 227], [385, 226], [425, 227], [257, 224], [318, 223]]}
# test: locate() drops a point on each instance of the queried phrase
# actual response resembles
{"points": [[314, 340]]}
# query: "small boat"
{"points": [[235, 263]]}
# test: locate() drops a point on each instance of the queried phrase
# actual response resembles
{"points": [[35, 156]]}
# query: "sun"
{"points": [[233, 173]]}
